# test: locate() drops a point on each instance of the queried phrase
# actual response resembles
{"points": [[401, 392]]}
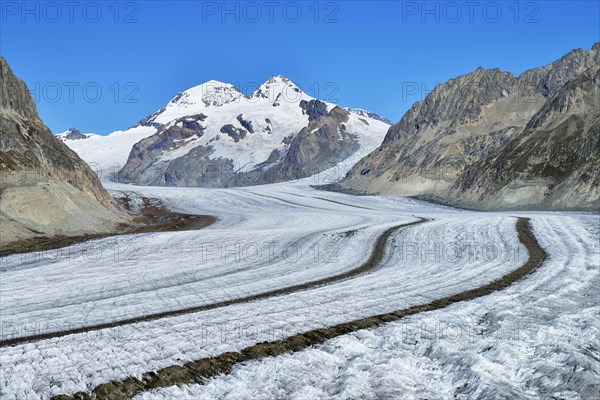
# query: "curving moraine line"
{"points": [[372, 263], [199, 371]]}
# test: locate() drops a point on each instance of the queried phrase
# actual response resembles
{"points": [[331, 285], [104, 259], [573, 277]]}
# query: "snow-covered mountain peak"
{"points": [[210, 93], [216, 124], [196, 99], [279, 89]]}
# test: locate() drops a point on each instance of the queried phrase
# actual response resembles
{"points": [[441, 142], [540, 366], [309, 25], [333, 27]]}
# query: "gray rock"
{"points": [[555, 161], [269, 126], [74, 134], [477, 124], [142, 165], [317, 147], [236, 134], [45, 188], [149, 120], [246, 124], [313, 108]]}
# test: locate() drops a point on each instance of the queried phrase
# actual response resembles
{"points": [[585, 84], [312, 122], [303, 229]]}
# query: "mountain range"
{"points": [[485, 140], [212, 135], [490, 140]]}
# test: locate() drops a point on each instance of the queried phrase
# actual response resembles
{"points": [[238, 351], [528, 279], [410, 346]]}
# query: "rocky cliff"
{"points": [[554, 163], [492, 140], [45, 188]]}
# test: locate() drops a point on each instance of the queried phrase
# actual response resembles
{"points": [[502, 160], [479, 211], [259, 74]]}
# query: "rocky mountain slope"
{"points": [[491, 140], [214, 136], [45, 188]]}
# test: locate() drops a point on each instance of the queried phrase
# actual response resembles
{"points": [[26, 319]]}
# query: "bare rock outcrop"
{"points": [[460, 145], [45, 188]]}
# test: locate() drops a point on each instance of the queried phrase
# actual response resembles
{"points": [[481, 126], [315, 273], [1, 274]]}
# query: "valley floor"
{"points": [[535, 339]]}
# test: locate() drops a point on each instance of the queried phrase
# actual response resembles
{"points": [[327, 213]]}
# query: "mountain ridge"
{"points": [[45, 188], [462, 122], [214, 127]]}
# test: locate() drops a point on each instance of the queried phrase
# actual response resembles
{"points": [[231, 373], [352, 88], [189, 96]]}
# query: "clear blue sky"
{"points": [[372, 55]]}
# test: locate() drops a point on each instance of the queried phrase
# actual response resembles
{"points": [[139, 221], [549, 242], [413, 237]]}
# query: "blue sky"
{"points": [[102, 66]]}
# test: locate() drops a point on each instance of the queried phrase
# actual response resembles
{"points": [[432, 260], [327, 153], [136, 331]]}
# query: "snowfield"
{"points": [[108, 154], [536, 339]]}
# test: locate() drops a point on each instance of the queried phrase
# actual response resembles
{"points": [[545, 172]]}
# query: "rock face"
{"points": [[319, 146], [553, 164], [144, 160], [213, 136], [45, 188], [490, 140], [72, 134]]}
